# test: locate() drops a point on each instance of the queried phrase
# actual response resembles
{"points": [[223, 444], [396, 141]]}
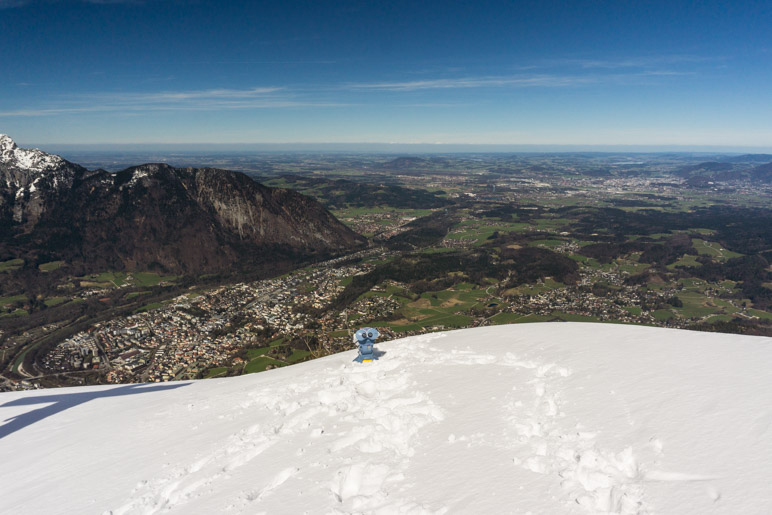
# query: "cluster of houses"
{"points": [[195, 332], [622, 303], [383, 223], [81, 352]]}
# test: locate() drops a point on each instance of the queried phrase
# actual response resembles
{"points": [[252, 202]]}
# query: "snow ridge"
{"points": [[34, 160], [538, 418]]}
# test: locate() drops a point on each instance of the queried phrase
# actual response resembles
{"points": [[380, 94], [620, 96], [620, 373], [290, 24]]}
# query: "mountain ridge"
{"points": [[182, 220]]}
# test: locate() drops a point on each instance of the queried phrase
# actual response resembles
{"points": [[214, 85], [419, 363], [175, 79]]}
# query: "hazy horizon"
{"points": [[392, 148]]}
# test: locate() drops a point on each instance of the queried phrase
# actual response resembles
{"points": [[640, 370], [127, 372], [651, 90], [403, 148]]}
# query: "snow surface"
{"points": [[537, 418]]}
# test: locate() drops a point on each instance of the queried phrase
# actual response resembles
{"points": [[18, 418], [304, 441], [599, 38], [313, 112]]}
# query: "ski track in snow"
{"points": [[367, 417]]}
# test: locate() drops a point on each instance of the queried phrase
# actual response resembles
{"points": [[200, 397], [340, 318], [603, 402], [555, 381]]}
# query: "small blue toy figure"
{"points": [[366, 337]]}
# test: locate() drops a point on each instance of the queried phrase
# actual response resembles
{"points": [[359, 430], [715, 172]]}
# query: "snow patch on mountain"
{"points": [[26, 159], [539, 418], [137, 175]]}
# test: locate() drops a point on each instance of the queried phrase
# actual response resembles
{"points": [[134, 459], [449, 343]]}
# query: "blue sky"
{"points": [[538, 72]]}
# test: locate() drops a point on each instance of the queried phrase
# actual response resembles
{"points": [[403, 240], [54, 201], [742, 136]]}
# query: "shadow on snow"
{"points": [[66, 401], [375, 355]]}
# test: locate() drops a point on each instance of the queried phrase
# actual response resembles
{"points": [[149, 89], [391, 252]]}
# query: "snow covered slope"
{"points": [[540, 418]]}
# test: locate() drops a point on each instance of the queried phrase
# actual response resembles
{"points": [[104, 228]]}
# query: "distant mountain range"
{"points": [[155, 216], [748, 158], [727, 171]]}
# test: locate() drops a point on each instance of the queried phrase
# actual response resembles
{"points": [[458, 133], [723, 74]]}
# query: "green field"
{"points": [[16, 313], [258, 360], [693, 284], [761, 314], [136, 294], [256, 353], [215, 372], [586, 261], [5, 301], [697, 305], [719, 318], [631, 267], [514, 318], [123, 279], [298, 355], [51, 266], [552, 224], [148, 307], [712, 249], [436, 250], [571, 317], [536, 289], [260, 364], [434, 309], [105, 280], [354, 212], [151, 279], [687, 260], [480, 231], [11, 265], [397, 326]]}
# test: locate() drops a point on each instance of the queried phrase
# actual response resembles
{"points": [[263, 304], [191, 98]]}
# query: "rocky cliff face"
{"points": [[156, 216]]}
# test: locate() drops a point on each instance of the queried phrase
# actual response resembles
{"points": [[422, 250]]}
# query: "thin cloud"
{"points": [[50, 111], [435, 104], [266, 104], [517, 81], [314, 61], [632, 62], [478, 82], [663, 73], [283, 98], [196, 100], [211, 94]]}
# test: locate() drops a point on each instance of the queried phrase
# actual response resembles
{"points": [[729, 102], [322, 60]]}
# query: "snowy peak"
{"points": [[26, 159], [133, 175], [31, 181], [6, 143]]}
